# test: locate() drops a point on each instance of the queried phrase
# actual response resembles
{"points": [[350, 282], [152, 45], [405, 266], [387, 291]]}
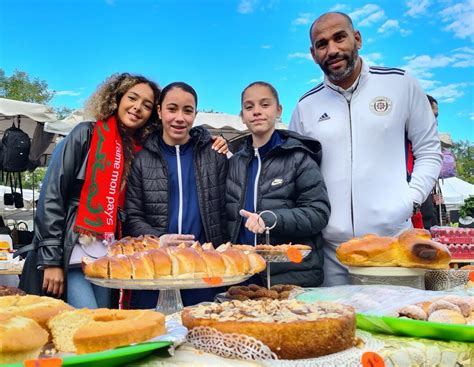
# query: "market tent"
{"points": [[231, 126], [455, 191], [64, 126], [30, 117]]}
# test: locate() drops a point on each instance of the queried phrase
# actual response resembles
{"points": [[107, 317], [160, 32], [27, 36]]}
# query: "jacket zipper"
{"points": [[197, 170], [255, 187], [352, 164], [241, 203], [180, 191]]}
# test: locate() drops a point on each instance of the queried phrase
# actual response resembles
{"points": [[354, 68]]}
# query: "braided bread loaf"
{"points": [[179, 261], [412, 249]]}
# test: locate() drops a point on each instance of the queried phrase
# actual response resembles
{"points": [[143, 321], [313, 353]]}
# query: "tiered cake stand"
{"points": [[272, 256]]}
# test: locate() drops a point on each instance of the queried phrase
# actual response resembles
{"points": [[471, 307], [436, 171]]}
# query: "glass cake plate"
{"points": [[169, 283], [169, 299]]}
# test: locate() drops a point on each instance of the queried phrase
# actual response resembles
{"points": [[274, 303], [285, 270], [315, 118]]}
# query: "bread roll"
{"points": [[411, 250], [142, 266], [416, 251], [98, 268], [120, 267], [215, 265], [161, 263], [186, 262], [176, 261], [369, 250]]}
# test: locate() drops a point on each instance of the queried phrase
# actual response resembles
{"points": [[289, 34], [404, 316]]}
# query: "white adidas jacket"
{"points": [[363, 146]]}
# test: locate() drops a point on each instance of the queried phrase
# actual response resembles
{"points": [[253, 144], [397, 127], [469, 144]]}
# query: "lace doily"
{"points": [[237, 346], [234, 346]]}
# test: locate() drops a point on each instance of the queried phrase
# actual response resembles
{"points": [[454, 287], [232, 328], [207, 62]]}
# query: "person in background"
{"points": [[277, 170], [362, 116], [176, 187], [83, 190]]}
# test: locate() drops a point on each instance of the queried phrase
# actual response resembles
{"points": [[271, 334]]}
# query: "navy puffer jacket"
{"points": [[146, 204]]}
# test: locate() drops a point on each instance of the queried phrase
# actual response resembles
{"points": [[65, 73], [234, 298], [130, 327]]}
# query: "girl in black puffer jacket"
{"points": [[277, 170], [176, 186]]}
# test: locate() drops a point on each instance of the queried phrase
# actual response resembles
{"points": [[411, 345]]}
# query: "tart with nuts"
{"points": [[291, 329]]}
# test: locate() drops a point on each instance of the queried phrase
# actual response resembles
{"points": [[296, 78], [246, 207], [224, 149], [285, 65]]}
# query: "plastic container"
{"points": [[409, 277]]}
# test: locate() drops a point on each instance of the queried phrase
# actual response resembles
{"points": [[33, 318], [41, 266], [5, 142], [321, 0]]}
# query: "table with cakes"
{"points": [[405, 306]]}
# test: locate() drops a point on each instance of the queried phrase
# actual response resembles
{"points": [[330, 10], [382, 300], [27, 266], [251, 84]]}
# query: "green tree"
{"points": [[35, 177], [464, 152], [20, 87], [63, 112]]}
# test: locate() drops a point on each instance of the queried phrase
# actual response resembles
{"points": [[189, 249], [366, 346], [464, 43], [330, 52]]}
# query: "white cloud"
{"points": [[266, 47], [405, 32], [247, 6], [368, 15], [469, 115], [373, 58], [417, 7], [339, 7], [420, 66], [428, 84], [464, 57], [315, 80], [303, 19], [300, 55], [66, 93], [448, 93], [388, 26], [460, 19]]}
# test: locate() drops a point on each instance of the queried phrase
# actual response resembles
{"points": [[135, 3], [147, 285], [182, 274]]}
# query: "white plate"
{"points": [[388, 271]]}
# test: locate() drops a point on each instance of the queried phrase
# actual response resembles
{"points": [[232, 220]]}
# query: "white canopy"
{"points": [[30, 117], [64, 126], [455, 191], [28, 114], [225, 123]]}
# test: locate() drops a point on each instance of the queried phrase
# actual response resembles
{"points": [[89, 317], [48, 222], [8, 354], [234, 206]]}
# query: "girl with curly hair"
{"points": [[83, 191]]}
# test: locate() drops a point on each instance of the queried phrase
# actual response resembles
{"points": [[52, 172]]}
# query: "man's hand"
{"points": [[174, 239], [254, 223], [53, 281], [220, 144]]}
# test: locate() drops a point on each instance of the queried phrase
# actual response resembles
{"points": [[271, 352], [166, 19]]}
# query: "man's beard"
{"points": [[343, 73]]}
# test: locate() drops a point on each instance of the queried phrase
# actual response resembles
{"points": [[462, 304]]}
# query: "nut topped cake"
{"points": [[290, 328]]}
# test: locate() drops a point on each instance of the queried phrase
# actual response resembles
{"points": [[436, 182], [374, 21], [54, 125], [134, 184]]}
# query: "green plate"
{"points": [[416, 328], [110, 358]]}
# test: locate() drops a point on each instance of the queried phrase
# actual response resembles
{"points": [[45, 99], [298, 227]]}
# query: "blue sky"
{"points": [[220, 46]]}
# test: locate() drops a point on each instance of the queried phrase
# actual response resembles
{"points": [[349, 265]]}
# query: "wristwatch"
{"points": [[416, 207]]}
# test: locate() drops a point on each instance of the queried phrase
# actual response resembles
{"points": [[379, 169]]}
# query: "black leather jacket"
{"points": [[291, 186], [146, 203], [57, 206]]}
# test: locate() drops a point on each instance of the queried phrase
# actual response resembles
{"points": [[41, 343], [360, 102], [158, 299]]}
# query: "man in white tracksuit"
{"points": [[363, 117]]}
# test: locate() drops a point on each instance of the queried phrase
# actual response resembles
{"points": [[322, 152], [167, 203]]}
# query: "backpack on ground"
{"points": [[15, 150]]}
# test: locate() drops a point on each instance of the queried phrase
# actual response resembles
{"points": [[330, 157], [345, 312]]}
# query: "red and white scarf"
{"points": [[97, 213]]}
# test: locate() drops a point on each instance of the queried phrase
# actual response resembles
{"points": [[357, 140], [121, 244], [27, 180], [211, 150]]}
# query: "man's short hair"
{"points": [[431, 99], [348, 18]]}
